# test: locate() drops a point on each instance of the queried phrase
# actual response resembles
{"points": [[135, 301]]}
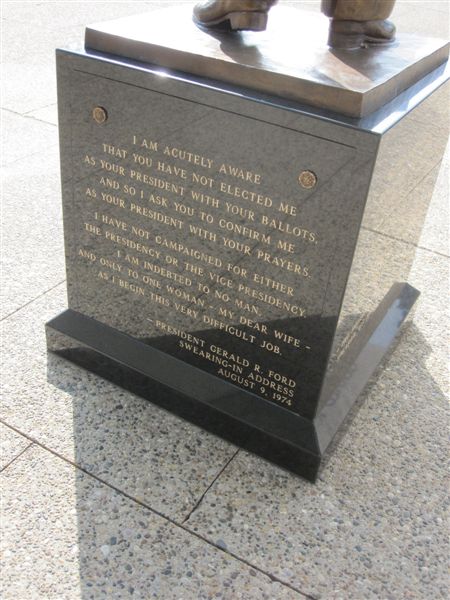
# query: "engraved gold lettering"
{"points": [[283, 263], [238, 192], [202, 233], [251, 308], [220, 279], [266, 345], [231, 329], [145, 143], [156, 298], [205, 199], [288, 209], [242, 381], [189, 157], [141, 160], [233, 245], [237, 270], [112, 167], [227, 314], [157, 182], [237, 274], [287, 339], [240, 173], [113, 222], [190, 312], [110, 183], [112, 199], [171, 169], [89, 160], [114, 151], [183, 209], [135, 289], [240, 211], [293, 309], [133, 260], [87, 254], [184, 295], [180, 333], [110, 264], [123, 241], [285, 246], [289, 229], [167, 274], [261, 327], [273, 285], [194, 269], [156, 216], [203, 180], [93, 229]]}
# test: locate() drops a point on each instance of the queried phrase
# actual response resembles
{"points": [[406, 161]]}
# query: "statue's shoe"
{"points": [[359, 34], [233, 15]]}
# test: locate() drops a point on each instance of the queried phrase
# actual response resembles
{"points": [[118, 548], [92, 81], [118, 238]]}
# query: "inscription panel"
{"points": [[189, 228]]}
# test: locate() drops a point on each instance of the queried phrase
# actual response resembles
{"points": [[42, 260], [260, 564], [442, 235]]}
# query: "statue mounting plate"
{"points": [[290, 59]]}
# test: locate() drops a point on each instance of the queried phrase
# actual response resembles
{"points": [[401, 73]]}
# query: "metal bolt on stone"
{"points": [[307, 179], [100, 115]]}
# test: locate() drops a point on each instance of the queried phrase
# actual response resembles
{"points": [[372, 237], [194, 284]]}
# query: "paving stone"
{"points": [[49, 114], [157, 458], [422, 217], [436, 109], [63, 26], [11, 445], [429, 274], [68, 537], [423, 18], [29, 72], [373, 526], [40, 49], [23, 137], [32, 245], [73, 12], [18, 96]]}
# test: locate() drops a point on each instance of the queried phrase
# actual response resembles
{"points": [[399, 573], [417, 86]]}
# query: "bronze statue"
{"points": [[353, 23]]}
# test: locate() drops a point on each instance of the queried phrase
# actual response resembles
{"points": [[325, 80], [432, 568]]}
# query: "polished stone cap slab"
{"points": [[290, 59]]}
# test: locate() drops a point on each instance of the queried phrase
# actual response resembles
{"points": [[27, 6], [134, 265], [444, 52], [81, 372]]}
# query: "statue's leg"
{"points": [[357, 23], [233, 15], [358, 10]]}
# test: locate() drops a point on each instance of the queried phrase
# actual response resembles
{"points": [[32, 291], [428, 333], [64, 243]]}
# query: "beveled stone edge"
{"points": [[240, 75], [347, 102], [407, 78]]}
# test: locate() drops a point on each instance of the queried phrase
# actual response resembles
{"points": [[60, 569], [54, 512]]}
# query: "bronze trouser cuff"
{"points": [[358, 10]]}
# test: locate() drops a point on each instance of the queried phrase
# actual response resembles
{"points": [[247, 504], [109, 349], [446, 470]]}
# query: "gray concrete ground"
{"points": [[107, 496]]}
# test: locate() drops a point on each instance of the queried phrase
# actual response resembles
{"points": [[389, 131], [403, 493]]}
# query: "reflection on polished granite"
{"points": [[220, 230], [321, 232]]}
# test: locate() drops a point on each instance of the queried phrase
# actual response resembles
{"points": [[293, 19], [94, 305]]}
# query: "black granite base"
{"points": [[221, 255], [290, 441]]}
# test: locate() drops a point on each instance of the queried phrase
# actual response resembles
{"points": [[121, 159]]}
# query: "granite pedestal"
{"points": [[220, 245]]}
